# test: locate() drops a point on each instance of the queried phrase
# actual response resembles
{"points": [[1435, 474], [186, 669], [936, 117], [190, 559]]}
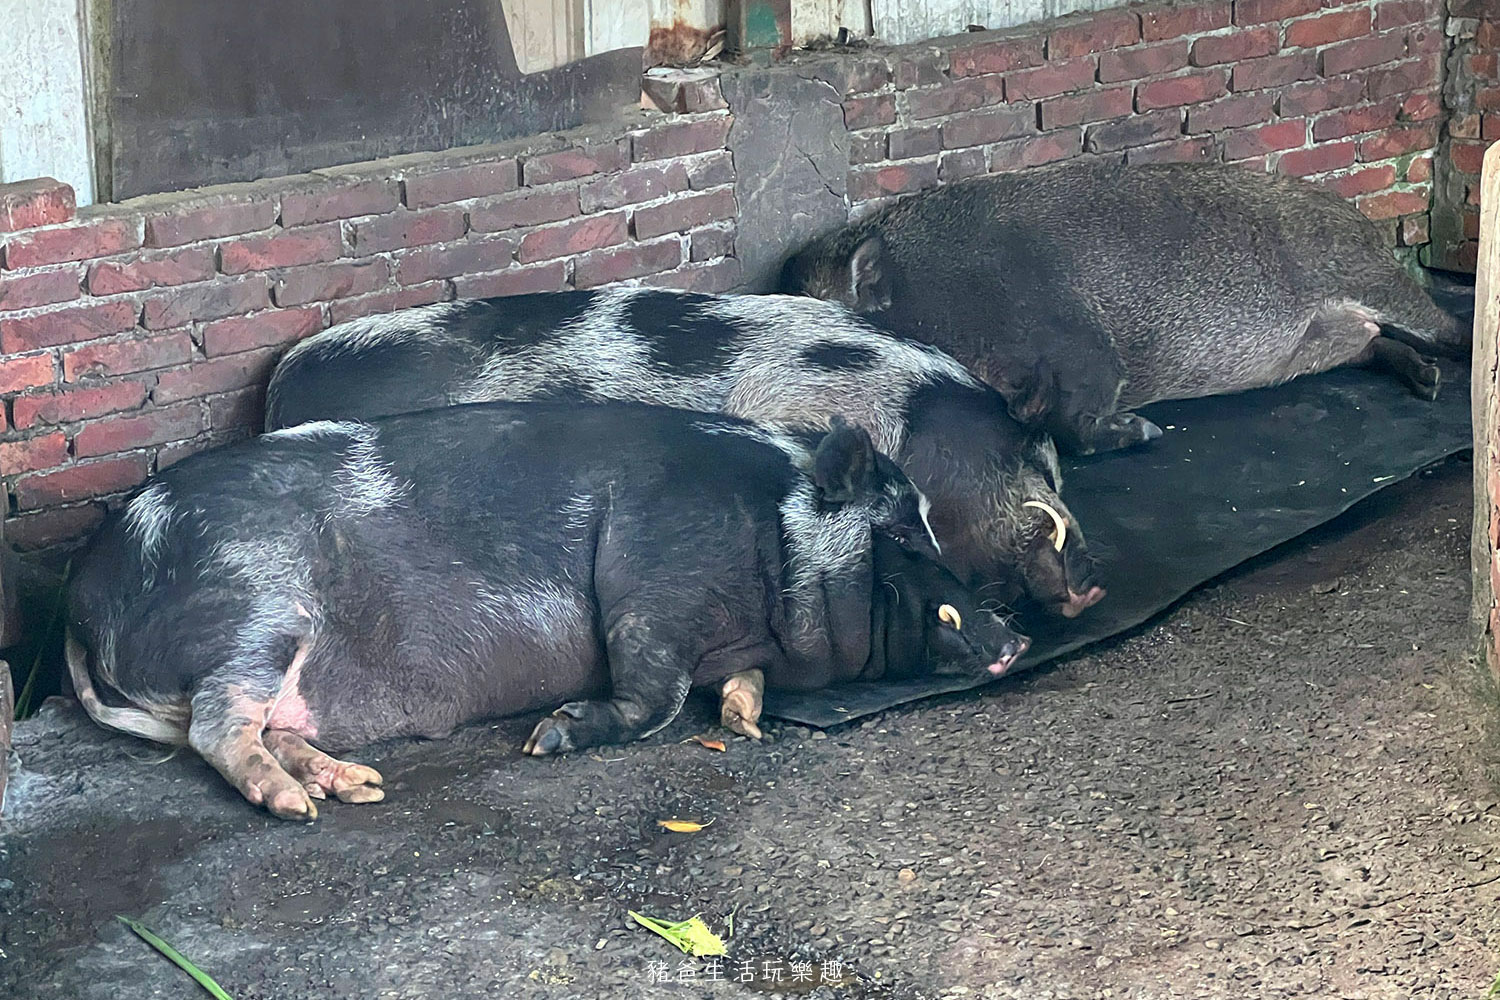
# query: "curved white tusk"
{"points": [[949, 614], [1059, 526]]}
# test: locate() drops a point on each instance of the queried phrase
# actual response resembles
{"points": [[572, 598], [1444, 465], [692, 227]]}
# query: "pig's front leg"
{"points": [[650, 676], [740, 702]]}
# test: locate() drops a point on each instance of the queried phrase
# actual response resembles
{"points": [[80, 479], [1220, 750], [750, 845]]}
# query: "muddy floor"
{"points": [[1281, 788]]}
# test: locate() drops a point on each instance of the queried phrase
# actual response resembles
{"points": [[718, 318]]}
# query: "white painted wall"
{"points": [[43, 111], [899, 21]]}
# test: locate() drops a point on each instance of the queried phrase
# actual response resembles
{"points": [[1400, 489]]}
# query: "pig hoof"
{"points": [[550, 736], [1149, 431], [1426, 380], [740, 703], [288, 802], [319, 774]]}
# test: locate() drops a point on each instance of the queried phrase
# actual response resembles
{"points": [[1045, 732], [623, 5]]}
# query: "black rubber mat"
{"points": [[1232, 477]]}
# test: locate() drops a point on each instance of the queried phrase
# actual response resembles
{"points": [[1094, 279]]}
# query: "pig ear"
{"points": [[844, 464], [867, 279]]}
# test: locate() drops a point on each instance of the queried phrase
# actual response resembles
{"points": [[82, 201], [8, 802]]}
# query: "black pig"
{"points": [[316, 589], [782, 361], [1105, 287]]}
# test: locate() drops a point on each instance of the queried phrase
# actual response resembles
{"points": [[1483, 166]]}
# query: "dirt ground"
{"points": [[1283, 787]]}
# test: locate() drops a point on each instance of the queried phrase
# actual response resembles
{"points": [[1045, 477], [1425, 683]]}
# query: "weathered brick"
{"points": [[406, 229], [78, 241], [1322, 95], [1033, 151], [682, 214], [570, 164], [151, 270], [1261, 11], [1050, 80], [262, 329], [711, 279], [51, 527], [592, 233], [961, 95], [1350, 22], [980, 128], [913, 175], [1153, 126], [923, 69], [40, 288], [1361, 52], [32, 203], [340, 201], [1114, 102], [203, 222], [1419, 169], [1426, 40], [242, 408], [1366, 181], [863, 74], [1398, 142], [1400, 12], [680, 139], [1236, 111], [1396, 203], [1414, 231], [204, 378], [389, 300], [295, 286], [1142, 61], [25, 372], [204, 302], [549, 277], [1199, 150], [604, 266], [1468, 157], [908, 143], [1489, 126], [477, 180], [1250, 44], [1246, 142], [125, 357], [710, 171], [79, 482], [1094, 33], [1338, 124], [290, 248], [1316, 160], [869, 112], [1175, 21], [19, 334], [706, 244], [76, 403], [532, 208], [106, 437], [956, 164], [989, 57], [1191, 88], [633, 186], [1273, 71], [45, 451], [430, 263]]}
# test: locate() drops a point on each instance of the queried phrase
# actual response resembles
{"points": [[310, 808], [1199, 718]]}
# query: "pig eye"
{"points": [[949, 615], [1059, 533]]}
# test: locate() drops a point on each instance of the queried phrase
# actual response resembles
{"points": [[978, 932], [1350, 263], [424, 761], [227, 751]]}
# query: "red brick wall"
{"points": [[136, 333], [1471, 95], [1348, 94]]}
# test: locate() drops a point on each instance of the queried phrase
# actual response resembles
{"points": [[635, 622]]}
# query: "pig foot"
{"points": [[321, 774], [1111, 433], [249, 766], [1421, 374], [740, 702]]}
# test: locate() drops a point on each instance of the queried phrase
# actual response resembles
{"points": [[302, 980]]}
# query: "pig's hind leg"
{"points": [[1421, 374], [741, 699], [321, 774], [650, 679]]}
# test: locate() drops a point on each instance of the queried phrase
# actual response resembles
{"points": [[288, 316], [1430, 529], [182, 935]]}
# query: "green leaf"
{"points": [[203, 979], [690, 936]]}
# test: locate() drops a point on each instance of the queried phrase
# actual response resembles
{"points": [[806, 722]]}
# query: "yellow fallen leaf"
{"points": [[681, 825], [691, 936], [710, 744]]}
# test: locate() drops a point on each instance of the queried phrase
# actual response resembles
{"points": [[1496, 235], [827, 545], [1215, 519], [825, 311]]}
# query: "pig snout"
{"points": [[1009, 654], [1077, 603]]}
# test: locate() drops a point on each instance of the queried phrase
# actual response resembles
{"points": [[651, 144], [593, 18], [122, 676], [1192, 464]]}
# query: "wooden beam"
{"points": [[1484, 559]]}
